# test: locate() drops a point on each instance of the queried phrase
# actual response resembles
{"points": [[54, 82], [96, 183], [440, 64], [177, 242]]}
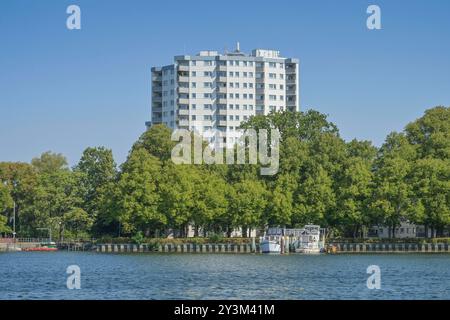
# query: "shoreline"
{"points": [[230, 248]]}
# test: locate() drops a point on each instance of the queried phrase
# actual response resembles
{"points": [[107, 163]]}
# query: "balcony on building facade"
{"points": [[291, 80], [259, 99], [222, 89], [183, 67], [156, 120], [183, 100], [291, 68], [183, 89], [291, 108], [183, 112], [156, 77], [260, 90], [291, 92], [156, 99], [291, 103], [183, 122], [157, 108]]}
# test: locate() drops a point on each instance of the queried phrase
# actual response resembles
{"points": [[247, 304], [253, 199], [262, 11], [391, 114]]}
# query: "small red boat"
{"points": [[46, 246], [40, 249]]}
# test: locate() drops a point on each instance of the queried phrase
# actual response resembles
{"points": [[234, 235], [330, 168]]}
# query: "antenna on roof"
{"points": [[238, 49], [226, 51]]}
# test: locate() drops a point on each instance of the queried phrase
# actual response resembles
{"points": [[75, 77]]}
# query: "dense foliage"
{"points": [[344, 186]]}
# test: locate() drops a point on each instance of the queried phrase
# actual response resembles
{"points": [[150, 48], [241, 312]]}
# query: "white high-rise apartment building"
{"points": [[214, 91]]}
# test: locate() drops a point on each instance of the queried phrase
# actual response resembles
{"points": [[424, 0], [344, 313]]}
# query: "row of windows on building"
{"points": [[166, 82], [220, 96], [206, 128], [237, 85], [234, 85], [247, 107], [234, 63], [210, 107], [235, 74], [210, 117], [222, 107], [272, 97]]}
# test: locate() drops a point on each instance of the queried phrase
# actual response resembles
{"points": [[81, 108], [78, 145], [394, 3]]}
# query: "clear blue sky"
{"points": [[65, 90]]}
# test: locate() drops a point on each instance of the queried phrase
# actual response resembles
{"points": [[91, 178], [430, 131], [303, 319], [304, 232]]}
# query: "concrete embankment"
{"points": [[392, 247], [248, 248], [9, 246], [179, 248], [242, 248]]}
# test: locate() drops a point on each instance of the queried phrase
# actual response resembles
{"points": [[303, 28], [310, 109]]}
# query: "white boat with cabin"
{"points": [[270, 244], [308, 240]]}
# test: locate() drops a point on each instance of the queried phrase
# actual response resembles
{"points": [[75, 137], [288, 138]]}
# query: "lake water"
{"points": [[42, 275]]}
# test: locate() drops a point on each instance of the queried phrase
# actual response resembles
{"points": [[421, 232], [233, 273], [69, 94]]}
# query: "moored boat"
{"points": [[44, 246], [309, 240], [270, 245]]}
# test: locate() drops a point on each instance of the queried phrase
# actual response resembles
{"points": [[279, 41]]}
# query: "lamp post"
{"points": [[14, 222], [14, 225]]}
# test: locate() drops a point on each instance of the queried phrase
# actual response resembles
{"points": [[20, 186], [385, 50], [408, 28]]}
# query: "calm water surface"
{"points": [[42, 275]]}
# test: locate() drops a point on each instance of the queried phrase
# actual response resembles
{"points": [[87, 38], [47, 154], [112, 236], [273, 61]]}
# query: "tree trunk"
{"points": [[196, 231], [229, 230], [244, 232], [433, 232]]}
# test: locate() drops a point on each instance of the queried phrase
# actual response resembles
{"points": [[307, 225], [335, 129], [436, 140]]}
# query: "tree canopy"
{"points": [[344, 186]]}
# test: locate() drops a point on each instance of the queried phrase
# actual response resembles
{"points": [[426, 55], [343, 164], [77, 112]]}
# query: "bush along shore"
{"points": [[346, 187]]}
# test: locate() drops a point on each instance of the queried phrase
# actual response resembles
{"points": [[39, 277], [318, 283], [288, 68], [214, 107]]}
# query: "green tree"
{"points": [[302, 125], [248, 201], [21, 181], [431, 186], [431, 133], [77, 222], [157, 141], [177, 190], [392, 200], [139, 198], [98, 174], [353, 194], [210, 201], [353, 188], [50, 162], [314, 198], [280, 207], [6, 202], [55, 194]]}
